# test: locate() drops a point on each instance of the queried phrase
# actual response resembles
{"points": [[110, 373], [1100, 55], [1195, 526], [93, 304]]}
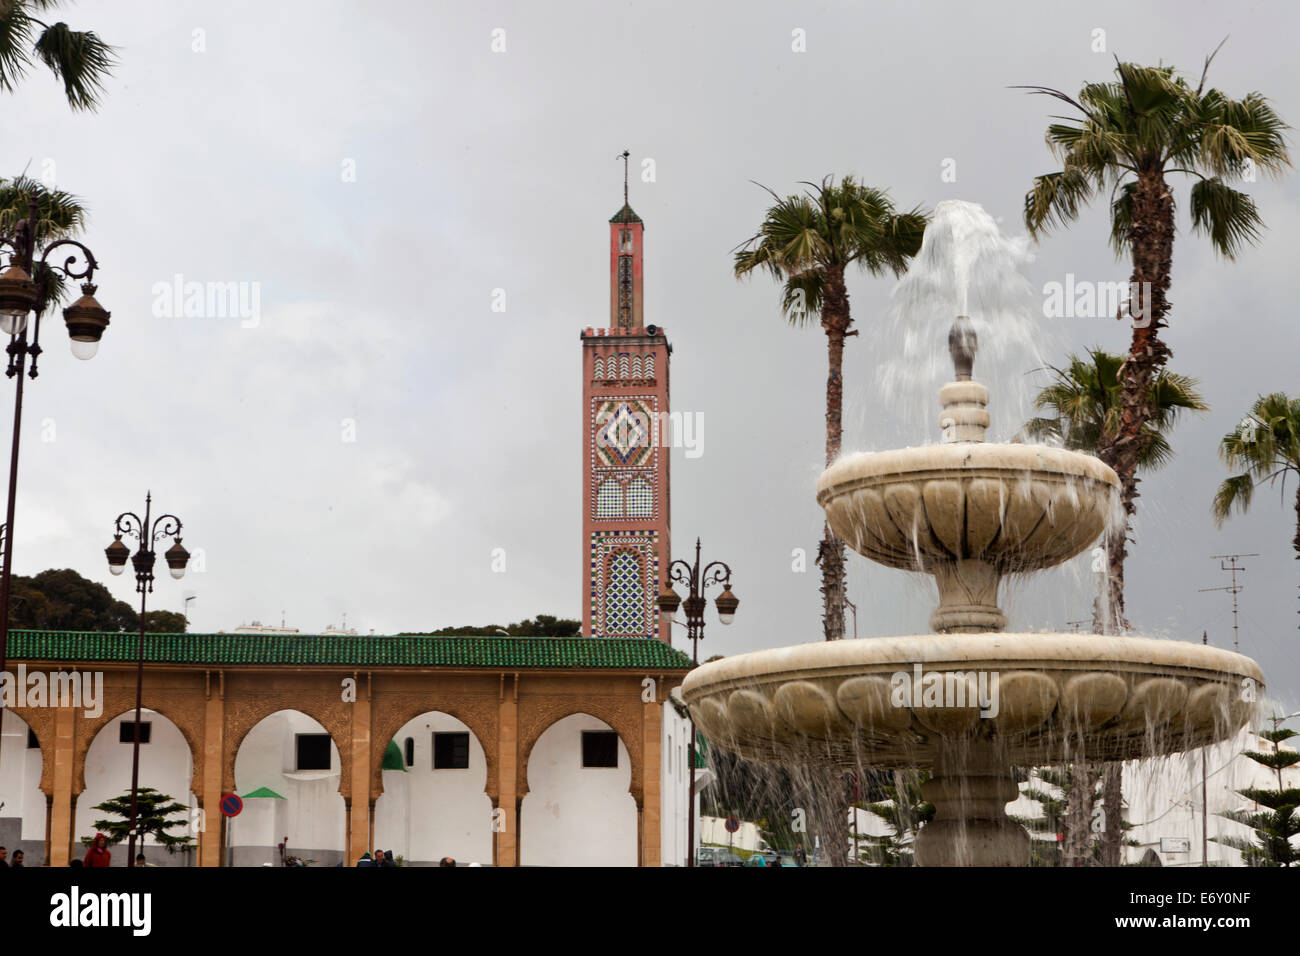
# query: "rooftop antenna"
{"points": [[1077, 626], [188, 598], [1235, 588], [281, 618]]}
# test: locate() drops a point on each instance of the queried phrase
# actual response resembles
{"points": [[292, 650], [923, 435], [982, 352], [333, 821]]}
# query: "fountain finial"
{"points": [[962, 345], [965, 402]]}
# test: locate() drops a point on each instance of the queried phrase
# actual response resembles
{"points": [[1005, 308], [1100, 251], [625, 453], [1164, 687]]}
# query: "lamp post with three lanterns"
{"points": [[147, 533], [697, 580], [25, 286]]}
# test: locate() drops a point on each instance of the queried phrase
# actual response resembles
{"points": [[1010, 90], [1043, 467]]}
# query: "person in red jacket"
{"points": [[98, 854]]}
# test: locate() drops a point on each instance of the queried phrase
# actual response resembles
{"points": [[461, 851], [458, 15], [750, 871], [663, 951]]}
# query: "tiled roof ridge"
{"points": [[415, 650]]}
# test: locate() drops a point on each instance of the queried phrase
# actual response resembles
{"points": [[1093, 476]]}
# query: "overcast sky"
{"points": [[374, 172]]}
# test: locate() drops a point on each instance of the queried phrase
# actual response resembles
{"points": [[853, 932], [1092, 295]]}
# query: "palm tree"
{"points": [[79, 58], [58, 214], [808, 242], [1130, 135], [1266, 447], [1085, 402]]}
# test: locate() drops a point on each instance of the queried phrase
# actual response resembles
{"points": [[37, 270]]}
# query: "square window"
{"points": [[599, 749], [126, 731], [451, 751], [313, 752]]}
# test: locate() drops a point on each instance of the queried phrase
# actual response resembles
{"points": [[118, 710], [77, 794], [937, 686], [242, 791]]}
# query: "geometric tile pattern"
{"points": [[624, 432], [624, 366], [623, 578], [625, 493], [609, 499], [640, 498]]}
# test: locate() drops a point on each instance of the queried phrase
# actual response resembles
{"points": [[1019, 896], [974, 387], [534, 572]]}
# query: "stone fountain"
{"points": [[970, 701]]}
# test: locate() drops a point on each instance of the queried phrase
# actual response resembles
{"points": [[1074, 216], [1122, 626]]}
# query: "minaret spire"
{"points": [[625, 270]]}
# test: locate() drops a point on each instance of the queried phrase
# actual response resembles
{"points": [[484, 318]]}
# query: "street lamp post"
{"points": [[21, 294], [697, 581], [147, 533]]}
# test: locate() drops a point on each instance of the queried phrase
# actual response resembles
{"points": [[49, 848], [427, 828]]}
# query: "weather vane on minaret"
{"points": [[624, 156]]}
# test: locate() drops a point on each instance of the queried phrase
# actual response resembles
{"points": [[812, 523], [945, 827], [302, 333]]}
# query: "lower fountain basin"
{"points": [[1059, 697]]}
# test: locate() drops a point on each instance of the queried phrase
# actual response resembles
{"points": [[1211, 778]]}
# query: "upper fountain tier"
{"points": [[965, 511]]}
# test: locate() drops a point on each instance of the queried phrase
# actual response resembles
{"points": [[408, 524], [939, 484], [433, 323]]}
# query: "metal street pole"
{"points": [[697, 581], [147, 532], [21, 293]]}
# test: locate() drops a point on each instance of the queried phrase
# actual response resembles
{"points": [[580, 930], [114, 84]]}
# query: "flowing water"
{"points": [[802, 783]]}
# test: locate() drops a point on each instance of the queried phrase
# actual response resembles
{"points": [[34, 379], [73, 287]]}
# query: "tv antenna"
{"points": [[1234, 589]]}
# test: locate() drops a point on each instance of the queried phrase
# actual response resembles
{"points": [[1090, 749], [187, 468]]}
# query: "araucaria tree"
{"points": [[152, 812], [809, 242], [1130, 138], [1278, 823]]}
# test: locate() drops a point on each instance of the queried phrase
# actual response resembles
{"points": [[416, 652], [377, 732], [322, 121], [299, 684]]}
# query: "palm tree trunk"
{"points": [[830, 553], [1078, 815], [1152, 240], [1112, 800]]}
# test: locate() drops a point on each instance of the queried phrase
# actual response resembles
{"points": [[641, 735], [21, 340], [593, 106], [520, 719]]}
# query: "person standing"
{"points": [[18, 860], [800, 857], [4, 858], [99, 853]]}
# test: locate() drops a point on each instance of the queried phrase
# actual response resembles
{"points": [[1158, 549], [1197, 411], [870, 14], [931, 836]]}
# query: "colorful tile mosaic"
{"points": [[640, 498], [609, 499], [624, 577], [624, 432], [625, 494]]}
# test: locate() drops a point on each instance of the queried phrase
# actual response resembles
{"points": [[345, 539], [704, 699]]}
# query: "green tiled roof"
{"points": [[349, 650], [625, 215], [393, 758], [263, 792]]}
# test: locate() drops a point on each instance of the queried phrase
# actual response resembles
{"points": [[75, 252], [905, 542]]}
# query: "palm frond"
{"points": [[80, 59], [1228, 216]]}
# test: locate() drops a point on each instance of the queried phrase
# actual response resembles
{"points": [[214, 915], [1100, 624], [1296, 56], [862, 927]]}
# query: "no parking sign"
{"points": [[231, 805]]}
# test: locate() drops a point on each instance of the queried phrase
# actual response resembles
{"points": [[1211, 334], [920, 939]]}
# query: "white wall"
{"points": [[1163, 797], [20, 790], [674, 784], [165, 765], [315, 815], [426, 814], [574, 816]]}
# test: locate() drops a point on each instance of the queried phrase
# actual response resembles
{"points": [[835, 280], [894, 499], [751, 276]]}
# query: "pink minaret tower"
{"points": [[625, 520]]}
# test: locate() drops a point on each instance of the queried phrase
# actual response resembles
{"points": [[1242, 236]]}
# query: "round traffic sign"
{"points": [[231, 805], [732, 824]]}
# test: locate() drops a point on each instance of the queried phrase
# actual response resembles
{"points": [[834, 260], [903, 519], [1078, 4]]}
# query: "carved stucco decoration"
{"points": [[182, 706], [324, 704], [389, 712], [623, 713], [41, 722]]}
